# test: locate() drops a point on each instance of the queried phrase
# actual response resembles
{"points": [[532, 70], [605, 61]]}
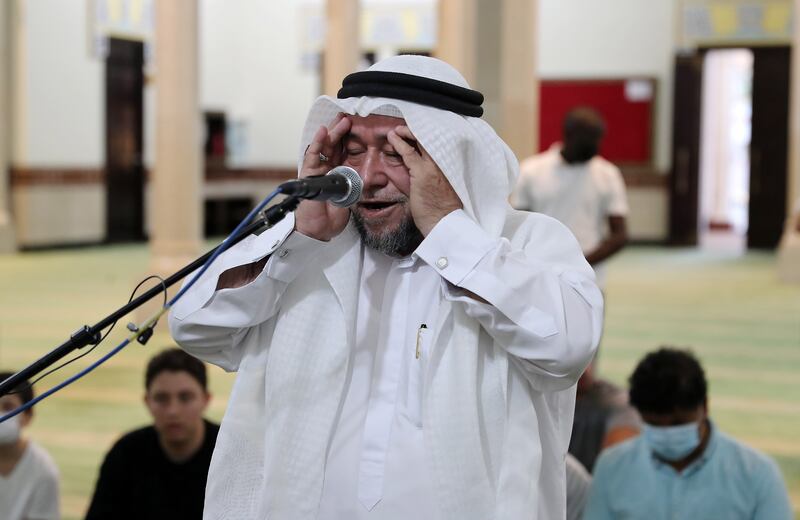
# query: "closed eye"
{"points": [[393, 158]]}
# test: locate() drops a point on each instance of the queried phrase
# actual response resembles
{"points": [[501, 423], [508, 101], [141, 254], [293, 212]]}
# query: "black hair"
{"points": [[23, 389], [584, 120], [668, 380], [583, 128], [175, 360]]}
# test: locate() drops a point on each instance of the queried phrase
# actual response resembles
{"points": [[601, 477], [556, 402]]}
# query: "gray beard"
{"points": [[398, 243]]}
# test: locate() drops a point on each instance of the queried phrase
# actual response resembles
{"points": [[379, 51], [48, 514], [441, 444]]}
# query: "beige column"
{"points": [[177, 179], [493, 44], [519, 93], [457, 36], [342, 48], [7, 240], [789, 248], [18, 82]]}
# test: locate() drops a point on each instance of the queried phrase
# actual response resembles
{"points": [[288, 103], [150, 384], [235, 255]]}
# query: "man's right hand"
{"points": [[318, 219]]}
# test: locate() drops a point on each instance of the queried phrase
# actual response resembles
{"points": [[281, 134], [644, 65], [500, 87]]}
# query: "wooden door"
{"points": [[769, 146], [684, 181], [124, 168]]}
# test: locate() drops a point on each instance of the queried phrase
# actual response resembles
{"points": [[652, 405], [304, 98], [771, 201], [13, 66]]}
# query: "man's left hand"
{"points": [[431, 197]]}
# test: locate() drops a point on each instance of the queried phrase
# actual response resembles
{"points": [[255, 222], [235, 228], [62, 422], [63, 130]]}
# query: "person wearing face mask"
{"points": [[682, 466], [29, 488], [573, 184]]}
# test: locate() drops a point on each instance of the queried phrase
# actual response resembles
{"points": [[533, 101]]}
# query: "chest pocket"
{"points": [[412, 387]]}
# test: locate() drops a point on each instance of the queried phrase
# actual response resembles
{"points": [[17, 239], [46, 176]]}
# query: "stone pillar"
{"points": [[7, 32], [789, 248], [493, 45], [342, 48], [177, 179], [519, 93], [457, 36]]}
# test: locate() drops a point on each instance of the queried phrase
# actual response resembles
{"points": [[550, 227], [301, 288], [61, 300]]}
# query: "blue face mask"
{"points": [[672, 442]]}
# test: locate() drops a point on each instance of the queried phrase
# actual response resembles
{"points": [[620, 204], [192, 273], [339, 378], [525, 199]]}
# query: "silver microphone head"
{"points": [[354, 180]]}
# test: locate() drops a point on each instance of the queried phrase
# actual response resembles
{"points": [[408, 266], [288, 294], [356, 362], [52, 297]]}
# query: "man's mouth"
{"points": [[174, 428], [376, 208]]}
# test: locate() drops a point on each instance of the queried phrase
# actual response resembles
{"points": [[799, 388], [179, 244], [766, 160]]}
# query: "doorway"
{"points": [[729, 174], [124, 168], [727, 106]]}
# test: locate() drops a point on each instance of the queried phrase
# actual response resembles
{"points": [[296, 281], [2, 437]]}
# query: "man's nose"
{"points": [[372, 172], [173, 407]]}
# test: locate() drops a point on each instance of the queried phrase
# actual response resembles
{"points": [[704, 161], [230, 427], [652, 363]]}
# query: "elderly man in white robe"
{"points": [[413, 356]]}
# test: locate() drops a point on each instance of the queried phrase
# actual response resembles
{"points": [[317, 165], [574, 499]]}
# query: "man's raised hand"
{"points": [[318, 219], [431, 197]]}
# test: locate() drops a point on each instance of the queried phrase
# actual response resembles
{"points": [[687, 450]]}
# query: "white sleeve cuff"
{"points": [[252, 249], [455, 246], [292, 257]]}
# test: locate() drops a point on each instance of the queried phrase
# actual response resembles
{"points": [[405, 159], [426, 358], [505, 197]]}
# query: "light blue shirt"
{"points": [[730, 481]]}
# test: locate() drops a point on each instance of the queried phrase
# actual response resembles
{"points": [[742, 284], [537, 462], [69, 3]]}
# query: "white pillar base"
{"points": [[8, 241], [789, 257]]}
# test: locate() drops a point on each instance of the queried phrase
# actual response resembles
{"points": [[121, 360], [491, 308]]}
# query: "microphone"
{"points": [[341, 187]]}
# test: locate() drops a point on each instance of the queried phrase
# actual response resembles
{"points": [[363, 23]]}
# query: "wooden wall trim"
{"points": [[54, 176], [644, 178], [634, 178], [250, 174]]}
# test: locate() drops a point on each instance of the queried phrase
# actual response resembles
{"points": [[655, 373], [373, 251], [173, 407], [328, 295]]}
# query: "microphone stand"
{"points": [[87, 335]]}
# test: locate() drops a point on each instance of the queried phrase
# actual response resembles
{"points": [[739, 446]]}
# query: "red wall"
{"points": [[629, 126]]}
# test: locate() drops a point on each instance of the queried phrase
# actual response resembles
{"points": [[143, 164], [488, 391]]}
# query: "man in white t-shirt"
{"points": [[574, 185], [28, 476]]}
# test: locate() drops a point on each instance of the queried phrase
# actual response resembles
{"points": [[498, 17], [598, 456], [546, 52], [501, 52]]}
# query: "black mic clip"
{"points": [[144, 336]]}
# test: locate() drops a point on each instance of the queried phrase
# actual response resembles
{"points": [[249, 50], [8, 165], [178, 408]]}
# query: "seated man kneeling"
{"points": [[160, 471], [682, 466]]}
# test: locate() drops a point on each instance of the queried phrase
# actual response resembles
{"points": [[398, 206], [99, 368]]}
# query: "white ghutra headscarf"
{"points": [[481, 168]]}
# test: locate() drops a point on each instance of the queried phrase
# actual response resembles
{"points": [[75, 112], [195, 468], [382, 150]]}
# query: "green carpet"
{"points": [[744, 326]]}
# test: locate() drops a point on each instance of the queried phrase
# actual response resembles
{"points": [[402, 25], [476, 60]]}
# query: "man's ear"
{"points": [[25, 418]]}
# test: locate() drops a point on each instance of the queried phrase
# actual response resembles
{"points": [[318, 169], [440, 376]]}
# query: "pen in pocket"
{"points": [[420, 331]]}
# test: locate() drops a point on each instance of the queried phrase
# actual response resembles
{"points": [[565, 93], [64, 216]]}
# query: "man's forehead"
{"points": [[374, 124], [686, 414], [173, 381], [376, 120]]}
